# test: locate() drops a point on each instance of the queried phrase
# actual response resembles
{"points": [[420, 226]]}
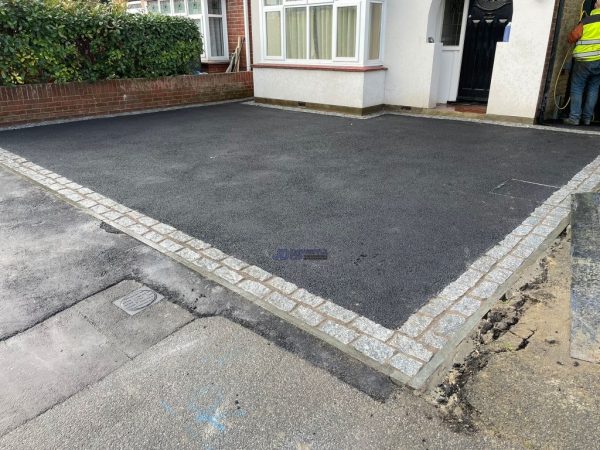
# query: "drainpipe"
{"points": [[247, 35], [548, 86]]}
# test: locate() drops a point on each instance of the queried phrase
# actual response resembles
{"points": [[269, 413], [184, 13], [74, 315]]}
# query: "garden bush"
{"points": [[56, 41]]}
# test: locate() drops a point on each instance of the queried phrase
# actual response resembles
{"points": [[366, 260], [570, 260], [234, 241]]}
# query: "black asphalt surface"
{"points": [[402, 205]]}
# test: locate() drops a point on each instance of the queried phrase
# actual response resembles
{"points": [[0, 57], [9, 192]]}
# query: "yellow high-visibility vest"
{"points": [[588, 47]]}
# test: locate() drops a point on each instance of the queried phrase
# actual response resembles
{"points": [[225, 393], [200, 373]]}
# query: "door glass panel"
{"points": [[165, 6], [152, 6], [453, 17], [179, 6]]}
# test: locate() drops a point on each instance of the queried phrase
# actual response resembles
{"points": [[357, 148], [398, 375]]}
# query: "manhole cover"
{"points": [[138, 300]]}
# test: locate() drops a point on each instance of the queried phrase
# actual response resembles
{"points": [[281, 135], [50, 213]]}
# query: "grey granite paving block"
{"points": [[136, 215], [49, 363], [511, 263], [467, 306], [307, 298], [112, 215], [214, 253], [198, 244], [372, 329], [485, 289], [436, 306], [448, 324], [533, 240], [542, 211], [138, 229], [234, 263], [258, 273], [84, 191], [343, 334], [74, 196], [254, 288], [180, 236], [373, 348], [107, 202], [125, 221], [163, 228], [484, 263], [95, 196], [532, 221], [523, 251], [415, 325], [454, 290], [544, 229], [406, 365], [228, 275], [337, 312], [308, 315], [148, 221], [281, 301], [170, 245], [99, 209], [187, 254], [284, 286], [498, 251], [87, 203], [121, 208], [510, 241], [549, 222], [499, 275], [469, 278], [411, 347], [207, 264], [154, 236], [433, 340]]}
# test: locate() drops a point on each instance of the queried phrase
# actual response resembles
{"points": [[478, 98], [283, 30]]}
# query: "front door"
{"points": [[486, 23]]}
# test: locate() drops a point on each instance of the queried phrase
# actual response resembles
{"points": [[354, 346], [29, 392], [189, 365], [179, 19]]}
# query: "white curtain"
{"points": [[215, 27], [273, 34], [375, 32], [346, 32], [321, 28], [295, 33]]}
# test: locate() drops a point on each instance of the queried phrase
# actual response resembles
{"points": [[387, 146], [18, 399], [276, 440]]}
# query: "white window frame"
{"points": [[204, 17], [361, 47]]}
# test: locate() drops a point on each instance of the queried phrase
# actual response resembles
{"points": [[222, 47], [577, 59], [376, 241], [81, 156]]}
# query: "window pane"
{"points": [[375, 30], [179, 6], [214, 7], [272, 2], [295, 33], [453, 16], [346, 32], [152, 6], [165, 6], [273, 33], [194, 6], [321, 31], [215, 26]]}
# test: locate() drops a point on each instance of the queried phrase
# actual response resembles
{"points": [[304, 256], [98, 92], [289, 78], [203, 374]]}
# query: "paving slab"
{"points": [[214, 384], [585, 285], [402, 205]]}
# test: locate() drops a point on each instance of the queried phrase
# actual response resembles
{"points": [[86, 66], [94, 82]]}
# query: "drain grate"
{"points": [[138, 300]]}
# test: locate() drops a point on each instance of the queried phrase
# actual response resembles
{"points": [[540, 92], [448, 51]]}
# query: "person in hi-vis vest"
{"points": [[586, 68]]}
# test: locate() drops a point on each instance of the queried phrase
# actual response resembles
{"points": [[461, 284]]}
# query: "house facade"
{"points": [[359, 55], [221, 23]]}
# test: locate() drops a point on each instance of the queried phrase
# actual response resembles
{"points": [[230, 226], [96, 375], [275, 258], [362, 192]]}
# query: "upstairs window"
{"points": [[207, 14], [322, 31]]}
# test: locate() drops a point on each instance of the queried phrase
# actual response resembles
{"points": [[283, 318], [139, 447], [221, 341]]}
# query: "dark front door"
{"points": [[486, 24]]}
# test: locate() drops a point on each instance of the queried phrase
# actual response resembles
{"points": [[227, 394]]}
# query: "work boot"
{"points": [[570, 121]]}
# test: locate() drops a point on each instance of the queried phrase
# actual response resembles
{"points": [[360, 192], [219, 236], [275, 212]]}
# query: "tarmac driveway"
{"points": [[401, 205]]}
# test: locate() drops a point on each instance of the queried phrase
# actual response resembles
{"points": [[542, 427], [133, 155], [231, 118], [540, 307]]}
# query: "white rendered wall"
{"points": [[519, 65], [351, 89]]}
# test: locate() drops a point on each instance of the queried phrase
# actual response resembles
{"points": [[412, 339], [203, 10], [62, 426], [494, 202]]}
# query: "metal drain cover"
{"points": [[138, 300]]}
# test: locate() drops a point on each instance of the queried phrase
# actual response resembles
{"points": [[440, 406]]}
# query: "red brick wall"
{"points": [[235, 27], [40, 102]]}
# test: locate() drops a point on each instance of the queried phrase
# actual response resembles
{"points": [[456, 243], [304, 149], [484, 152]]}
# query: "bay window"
{"points": [[322, 31], [207, 14]]}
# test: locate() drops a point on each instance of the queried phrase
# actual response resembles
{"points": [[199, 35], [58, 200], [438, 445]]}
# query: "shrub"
{"points": [[58, 41]]}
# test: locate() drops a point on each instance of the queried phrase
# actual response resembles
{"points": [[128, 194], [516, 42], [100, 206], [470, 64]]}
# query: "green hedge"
{"points": [[54, 41]]}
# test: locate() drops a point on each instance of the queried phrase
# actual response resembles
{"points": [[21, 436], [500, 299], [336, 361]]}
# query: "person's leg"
{"points": [[578, 82], [593, 88]]}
